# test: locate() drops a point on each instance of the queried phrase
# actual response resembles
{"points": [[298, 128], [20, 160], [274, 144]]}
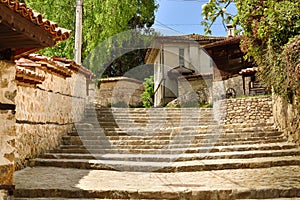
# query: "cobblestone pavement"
{"points": [[230, 184]]}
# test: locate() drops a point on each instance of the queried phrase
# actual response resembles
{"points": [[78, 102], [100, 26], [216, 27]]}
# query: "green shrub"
{"points": [[148, 95]]}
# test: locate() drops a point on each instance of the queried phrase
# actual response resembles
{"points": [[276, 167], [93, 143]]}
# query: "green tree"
{"points": [[101, 20], [269, 27]]}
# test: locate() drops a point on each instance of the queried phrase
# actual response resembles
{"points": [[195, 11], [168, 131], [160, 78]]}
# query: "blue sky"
{"points": [[180, 17]]}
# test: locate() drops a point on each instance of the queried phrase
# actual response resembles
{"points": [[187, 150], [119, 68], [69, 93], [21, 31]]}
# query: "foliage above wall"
{"points": [[269, 27]]}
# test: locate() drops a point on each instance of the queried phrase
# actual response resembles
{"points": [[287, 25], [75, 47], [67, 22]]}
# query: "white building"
{"points": [[174, 56]]}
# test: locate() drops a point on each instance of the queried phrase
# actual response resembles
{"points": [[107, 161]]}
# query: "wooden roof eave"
{"points": [[152, 55], [20, 25]]}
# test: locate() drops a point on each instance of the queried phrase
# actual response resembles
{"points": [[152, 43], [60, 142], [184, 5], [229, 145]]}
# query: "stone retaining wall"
{"points": [[287, 118], [47, 112], [246, 110], [199, 85], [119, 90], [8, 91], [221, 87]]}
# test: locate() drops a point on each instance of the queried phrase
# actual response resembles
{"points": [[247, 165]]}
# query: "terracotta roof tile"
{"points": [[26, 69], [227, 41], [248, 71], [58, 34], [192, 37], [25, 75]]}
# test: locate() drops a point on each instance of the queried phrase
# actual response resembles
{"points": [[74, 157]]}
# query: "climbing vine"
{"points": [[270, 31]]}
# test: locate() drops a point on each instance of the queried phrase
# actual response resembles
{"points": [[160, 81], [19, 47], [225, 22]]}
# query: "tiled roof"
{"points": [[200, 39], [61, 66], [27, 74], [51, 65], [58, 34], [248, 71], [192, 37], [227, 41], [72, 65]]}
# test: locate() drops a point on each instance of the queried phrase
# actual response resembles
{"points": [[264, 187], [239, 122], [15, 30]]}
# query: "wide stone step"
{"points": [[169, 135], [175, 131], [153, 117], [187, 140], [150, 116], [179, 144], [185, 116], [56, 198], [183, 166], [175, 156], [246, 147], [189, 145], [260, 183], [88, 127], [147, 110], [152, 125]]}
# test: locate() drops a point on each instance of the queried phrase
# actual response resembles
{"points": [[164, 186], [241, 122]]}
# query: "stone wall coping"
{"points": [[28, 76], [58, 66], [203, 76], [120, 78], [72, 65], [248, 99], [62, 66]]}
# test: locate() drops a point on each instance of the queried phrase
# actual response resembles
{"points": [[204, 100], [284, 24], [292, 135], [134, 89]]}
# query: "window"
{"points": [[181, 57]]}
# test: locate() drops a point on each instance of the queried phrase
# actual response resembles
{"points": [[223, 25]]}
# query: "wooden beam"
{"points": [[21, 25]]}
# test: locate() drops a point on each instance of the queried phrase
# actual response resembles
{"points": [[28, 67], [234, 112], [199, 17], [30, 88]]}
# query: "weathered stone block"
{"points": [[7, 85]]}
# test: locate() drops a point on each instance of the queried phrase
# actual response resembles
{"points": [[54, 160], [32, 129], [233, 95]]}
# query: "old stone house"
{"points": [[174, 56], [37, 94], [232, 74]]}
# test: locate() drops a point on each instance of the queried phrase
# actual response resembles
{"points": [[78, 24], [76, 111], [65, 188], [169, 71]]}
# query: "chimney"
{"points": [[230, 30]]}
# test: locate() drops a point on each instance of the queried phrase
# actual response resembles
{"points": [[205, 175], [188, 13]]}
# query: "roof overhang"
{"points": [[227, 42], [23, 30]]}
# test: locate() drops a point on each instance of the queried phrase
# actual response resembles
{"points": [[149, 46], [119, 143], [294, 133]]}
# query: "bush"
{"points": [[148, 95]]}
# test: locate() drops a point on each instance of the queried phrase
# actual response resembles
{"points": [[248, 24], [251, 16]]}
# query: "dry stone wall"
{"points": [[119, 90], [8, 91], [199, 86], [5, 195], [287, 118], [46, 112], [236, 83], [246, 110]]}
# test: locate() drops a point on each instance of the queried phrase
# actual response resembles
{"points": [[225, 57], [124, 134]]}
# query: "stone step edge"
{"points": [[229, 194], [181, 156], [182, 166], [177, 146], [217, 148]]}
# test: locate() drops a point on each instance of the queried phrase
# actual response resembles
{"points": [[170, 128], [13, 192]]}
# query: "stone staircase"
{"points": [[160, 142]]}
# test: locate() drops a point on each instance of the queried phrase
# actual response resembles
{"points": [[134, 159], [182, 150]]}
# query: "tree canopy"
{"points": [[101, 20], [269, 27]]}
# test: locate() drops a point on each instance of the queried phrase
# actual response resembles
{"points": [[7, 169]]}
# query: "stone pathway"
{"points": [[151, 154], [272, 182]]}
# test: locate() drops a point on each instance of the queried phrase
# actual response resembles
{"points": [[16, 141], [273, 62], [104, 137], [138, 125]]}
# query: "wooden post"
{"points": [[78, 32], [244, 86]]}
